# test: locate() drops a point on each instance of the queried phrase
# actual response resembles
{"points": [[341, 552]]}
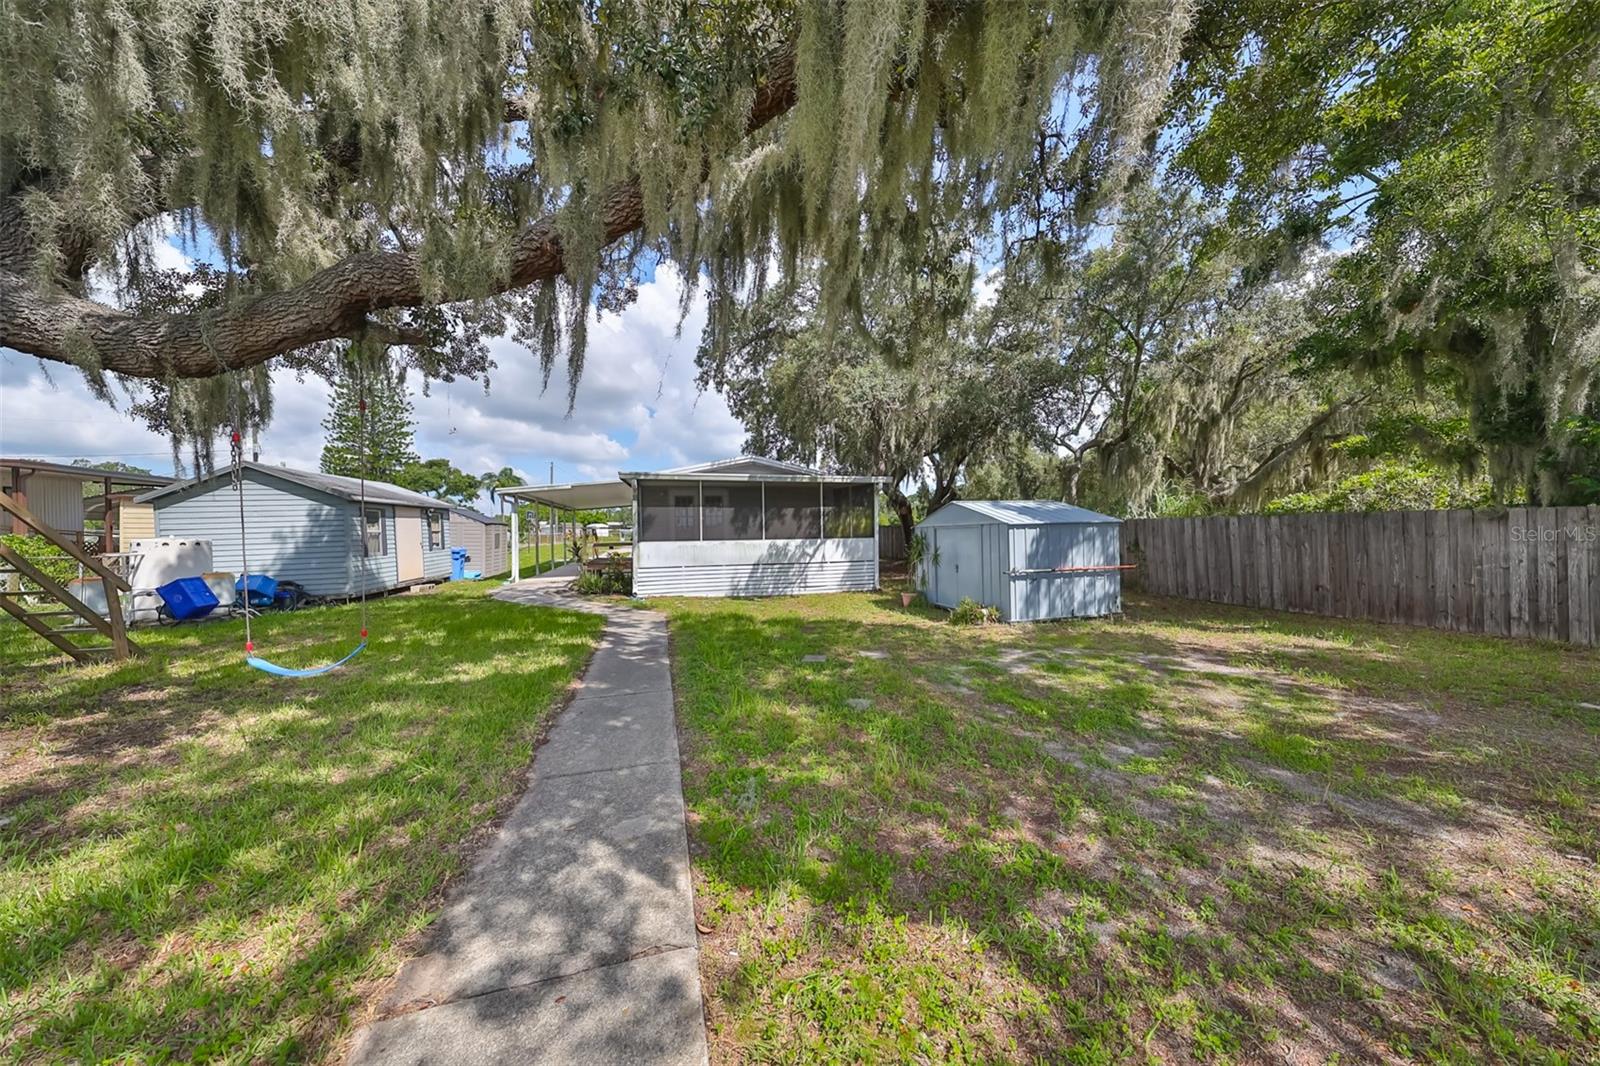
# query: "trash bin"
{"points": [[187, 597], [458, 563], [262, 589]]}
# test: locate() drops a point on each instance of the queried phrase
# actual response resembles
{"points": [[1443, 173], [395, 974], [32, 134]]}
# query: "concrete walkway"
{"points": [[572, 940]]}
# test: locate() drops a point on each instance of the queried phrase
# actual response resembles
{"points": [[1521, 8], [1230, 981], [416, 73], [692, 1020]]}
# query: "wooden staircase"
{"points": [[59, 603]]}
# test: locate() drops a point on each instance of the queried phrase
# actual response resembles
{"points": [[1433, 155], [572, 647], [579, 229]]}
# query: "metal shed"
{"points": [[1033, 559]]}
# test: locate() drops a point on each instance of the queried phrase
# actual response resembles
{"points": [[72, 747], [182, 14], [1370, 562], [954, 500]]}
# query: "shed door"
{"points": [[961, 563], [408, 543]]}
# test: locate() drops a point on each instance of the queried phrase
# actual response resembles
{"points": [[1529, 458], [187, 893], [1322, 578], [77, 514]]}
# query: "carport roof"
{"points": [[1014, 513], [585, 496]]}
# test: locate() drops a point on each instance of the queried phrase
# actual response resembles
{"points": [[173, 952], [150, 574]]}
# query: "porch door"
{"points": [[408, 543]]}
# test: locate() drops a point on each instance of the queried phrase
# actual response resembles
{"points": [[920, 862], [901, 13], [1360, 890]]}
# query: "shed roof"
{"points": [[1014, 513], [478, 516], [348, 488]]}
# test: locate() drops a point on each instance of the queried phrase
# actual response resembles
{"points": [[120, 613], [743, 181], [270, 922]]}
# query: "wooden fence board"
{"points": [[1517, 583], [1577, 599], [1545, 548], [1516, 572]]}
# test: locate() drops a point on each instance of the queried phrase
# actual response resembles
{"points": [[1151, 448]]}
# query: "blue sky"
{"points": [[637, 407]]}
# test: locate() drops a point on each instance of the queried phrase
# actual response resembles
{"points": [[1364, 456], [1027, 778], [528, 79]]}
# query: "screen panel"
{"points": [[794, 511], [731, 512], [848, 511], [669, 510]]}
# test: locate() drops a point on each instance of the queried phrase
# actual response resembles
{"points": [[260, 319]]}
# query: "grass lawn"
{"points": [[1201, 833], [198, 861], [528, 568]]}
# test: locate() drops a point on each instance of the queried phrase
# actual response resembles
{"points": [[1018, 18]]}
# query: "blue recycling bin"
{"points": [[458, 563], [187, 597], [262, 590]]}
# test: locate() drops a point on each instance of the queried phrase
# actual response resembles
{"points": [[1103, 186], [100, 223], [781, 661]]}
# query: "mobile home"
{"points": [[311, 528]]}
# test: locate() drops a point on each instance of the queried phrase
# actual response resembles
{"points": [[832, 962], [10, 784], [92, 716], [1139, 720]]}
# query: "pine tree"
{"points": [[389, 438]]}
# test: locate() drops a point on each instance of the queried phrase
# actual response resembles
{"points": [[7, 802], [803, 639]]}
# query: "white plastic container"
{"points": [[221, 584], [160, 560], [163, 559], [91, 591]]}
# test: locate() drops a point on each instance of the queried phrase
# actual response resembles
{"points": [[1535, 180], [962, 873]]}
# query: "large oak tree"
{"points": [[420, 175]]}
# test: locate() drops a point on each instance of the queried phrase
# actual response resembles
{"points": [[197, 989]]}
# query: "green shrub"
{"points": [[49, 559], [969, 612], [615, 579]]}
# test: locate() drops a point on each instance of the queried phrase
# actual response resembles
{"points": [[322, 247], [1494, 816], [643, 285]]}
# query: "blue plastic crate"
{"points": [[187, 597], [262, 589]]}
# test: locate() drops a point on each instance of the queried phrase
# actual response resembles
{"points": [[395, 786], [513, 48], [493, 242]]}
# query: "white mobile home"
{"points": [[739, 527], [1033, 559], [309, 528]]}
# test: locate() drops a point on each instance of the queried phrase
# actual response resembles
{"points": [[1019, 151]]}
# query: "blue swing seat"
{"points": [[311, 671]]}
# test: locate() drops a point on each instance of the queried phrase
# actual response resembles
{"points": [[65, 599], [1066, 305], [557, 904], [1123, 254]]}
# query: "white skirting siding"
{"points": [[754, 567]]}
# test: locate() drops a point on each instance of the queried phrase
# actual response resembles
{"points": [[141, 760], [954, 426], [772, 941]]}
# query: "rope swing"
{"points": [[244, 554]]}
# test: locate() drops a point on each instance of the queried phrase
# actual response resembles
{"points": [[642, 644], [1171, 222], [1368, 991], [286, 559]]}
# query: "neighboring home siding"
{"points": [[435, 564], [754, 567], [382, 571], [55, 500], [135, 521], [295, 533]]}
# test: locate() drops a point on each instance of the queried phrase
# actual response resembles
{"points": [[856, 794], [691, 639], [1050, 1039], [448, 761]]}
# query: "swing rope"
{"points": [[244, 552]]}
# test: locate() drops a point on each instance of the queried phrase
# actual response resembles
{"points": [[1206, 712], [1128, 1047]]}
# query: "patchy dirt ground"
{"points": [[1198, 834]]}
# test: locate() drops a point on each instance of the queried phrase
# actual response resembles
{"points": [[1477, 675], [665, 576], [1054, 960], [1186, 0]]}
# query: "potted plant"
{"points": [[918, 559]]}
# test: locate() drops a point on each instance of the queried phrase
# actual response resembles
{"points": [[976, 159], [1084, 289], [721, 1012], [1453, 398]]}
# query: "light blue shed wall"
{"points": [[1034, 597], [967, 561], [294, 533]]}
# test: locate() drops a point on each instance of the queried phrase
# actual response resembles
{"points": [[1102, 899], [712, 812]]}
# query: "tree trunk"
{"points": [[902, 510]]}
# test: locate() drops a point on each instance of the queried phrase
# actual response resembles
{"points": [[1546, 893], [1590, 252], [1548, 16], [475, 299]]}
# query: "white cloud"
{"points": [[49, 413]]}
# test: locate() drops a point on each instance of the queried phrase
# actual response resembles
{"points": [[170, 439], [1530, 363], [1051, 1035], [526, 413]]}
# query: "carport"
{"points": [[583, 496]]}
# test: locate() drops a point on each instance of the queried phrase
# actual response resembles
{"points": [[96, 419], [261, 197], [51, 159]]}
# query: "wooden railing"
{"points": [[63, 604]]}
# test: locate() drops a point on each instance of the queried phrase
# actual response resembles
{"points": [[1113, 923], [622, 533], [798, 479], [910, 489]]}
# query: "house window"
{"points": [[794, 510], [731, 512], [847, 511], [669, 511], [377, 539], [435, 531]]}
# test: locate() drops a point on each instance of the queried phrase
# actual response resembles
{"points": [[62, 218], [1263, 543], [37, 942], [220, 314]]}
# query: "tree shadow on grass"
{"points": [[1161, 881], [226, 884]]}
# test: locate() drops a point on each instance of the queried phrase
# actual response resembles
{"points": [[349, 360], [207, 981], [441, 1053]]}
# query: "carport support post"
{"points": [[516, 555]]}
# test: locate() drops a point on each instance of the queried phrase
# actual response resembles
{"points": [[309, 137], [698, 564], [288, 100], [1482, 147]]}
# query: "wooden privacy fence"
{"points": [[1517, 571], [892, 542]]}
